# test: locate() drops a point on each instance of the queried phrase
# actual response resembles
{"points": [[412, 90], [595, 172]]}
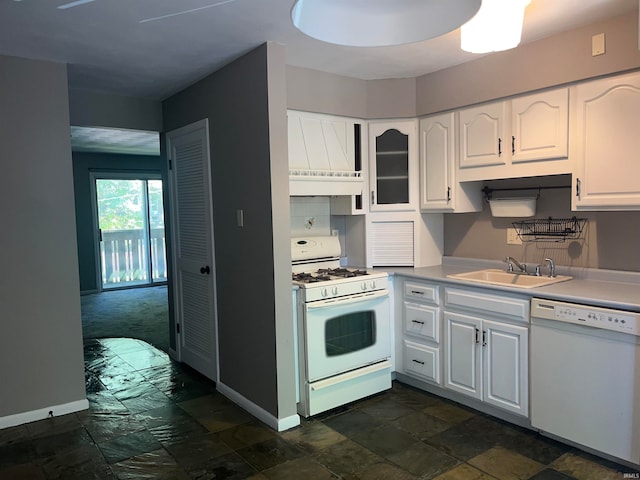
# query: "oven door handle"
{"points": [[330, 382], [332, 302]]}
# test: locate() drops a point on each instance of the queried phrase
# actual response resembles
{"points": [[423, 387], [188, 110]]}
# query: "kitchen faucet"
{"points": [[512, 261], [552, 267]]}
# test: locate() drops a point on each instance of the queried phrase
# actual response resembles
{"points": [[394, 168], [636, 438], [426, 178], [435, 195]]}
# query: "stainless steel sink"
{"points": [[495, 276]]}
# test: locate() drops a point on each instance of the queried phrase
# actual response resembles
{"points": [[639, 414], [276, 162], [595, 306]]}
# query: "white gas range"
{"points": [[344, 338]]}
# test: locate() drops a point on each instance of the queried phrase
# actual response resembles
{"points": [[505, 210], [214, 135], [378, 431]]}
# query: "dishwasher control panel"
{"points": [[598, 317]]}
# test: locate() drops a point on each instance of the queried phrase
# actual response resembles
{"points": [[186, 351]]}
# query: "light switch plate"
{"points": [[597, 45]]}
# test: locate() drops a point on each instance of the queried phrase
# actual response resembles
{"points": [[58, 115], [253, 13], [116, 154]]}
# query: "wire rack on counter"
{"points": [[550, 229]]}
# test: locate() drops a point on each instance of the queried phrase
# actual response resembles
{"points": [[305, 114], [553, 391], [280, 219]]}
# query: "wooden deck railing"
{"points": [[124, 257]]}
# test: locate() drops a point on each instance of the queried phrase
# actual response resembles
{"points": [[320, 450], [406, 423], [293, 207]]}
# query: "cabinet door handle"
{"points": [[477, 335], [448, 194], [484, 338], [513, 145], [418, 321], [578, 187], [418, 361], [373, 197], [499, 147]]}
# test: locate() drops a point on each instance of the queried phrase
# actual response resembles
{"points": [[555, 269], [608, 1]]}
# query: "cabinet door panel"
{"points": [[462, 354], [607, 144], [505, 355], [437, 150], [393, 165], [539, 126], [482, 138]]}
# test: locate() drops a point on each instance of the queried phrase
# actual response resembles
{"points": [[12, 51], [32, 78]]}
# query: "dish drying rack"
{"points": [[550, 229]]}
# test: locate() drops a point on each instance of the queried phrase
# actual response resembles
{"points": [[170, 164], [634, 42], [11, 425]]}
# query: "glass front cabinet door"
{"points": [[393, 165]]}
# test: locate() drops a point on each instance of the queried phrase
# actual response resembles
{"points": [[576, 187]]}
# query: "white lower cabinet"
{"points": [[421, 325], [486, 358]]}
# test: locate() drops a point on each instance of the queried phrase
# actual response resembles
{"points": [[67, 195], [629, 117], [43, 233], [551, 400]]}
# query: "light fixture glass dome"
{"points": [[377, 23], [496, 27]]}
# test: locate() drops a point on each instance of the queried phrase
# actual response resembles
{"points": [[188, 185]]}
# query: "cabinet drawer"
{"points": [[422, 320], [422, 361], [480, 302], [425, 292]]}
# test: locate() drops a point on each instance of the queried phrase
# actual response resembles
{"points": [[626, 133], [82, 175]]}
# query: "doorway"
{"points": [[130, 232]]}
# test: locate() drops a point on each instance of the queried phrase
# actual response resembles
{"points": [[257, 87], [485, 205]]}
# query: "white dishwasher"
{"points": [[585, 376]]}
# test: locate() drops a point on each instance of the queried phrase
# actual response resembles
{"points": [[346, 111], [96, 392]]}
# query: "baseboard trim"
{"points": [[42, 413], [260, 413], [88, 292]]}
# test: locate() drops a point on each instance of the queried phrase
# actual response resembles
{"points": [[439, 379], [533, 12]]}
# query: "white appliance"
{"points": [[344, 331], [585, 376]]}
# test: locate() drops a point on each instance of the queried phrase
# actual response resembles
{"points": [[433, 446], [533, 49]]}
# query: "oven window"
{"points": [[350, 333]]}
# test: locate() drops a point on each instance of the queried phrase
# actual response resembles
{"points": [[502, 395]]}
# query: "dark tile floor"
{"points": [[150, 418]]}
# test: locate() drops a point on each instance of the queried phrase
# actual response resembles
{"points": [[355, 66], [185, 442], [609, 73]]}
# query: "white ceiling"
{"points": [[154, 48], [114, 140]]}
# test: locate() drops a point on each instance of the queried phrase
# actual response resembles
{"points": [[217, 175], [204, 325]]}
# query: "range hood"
{"points": [[321, 156]]}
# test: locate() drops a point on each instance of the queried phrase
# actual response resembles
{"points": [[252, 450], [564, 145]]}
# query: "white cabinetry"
{"points": [[606, 144], [486, 348], [540, 126], [439, 190], [524, 136], [322, 155], [393, 165], [482, 134], [421, 319]]}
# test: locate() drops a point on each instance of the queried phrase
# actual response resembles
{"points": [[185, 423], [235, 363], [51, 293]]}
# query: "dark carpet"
{"points": [[140, 313]]}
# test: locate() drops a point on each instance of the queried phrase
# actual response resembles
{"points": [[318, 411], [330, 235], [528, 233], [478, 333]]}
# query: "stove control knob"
{"points": [[323, 292], [334, 290], [373, 284], [363, 286]]}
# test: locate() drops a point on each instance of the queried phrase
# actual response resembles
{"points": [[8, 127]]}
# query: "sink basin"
{"points": [[495, 276]]}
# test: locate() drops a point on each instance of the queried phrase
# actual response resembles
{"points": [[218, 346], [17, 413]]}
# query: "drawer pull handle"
{"points": [[418, 321], [418, 361], [417, 292]]}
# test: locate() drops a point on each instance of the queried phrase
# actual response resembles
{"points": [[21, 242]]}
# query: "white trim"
{"points": [[260, 413], [42, 413]]}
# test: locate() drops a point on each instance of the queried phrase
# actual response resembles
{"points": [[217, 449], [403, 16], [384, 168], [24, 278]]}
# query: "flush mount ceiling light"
{"points": [[497, 26], [377, 23]]}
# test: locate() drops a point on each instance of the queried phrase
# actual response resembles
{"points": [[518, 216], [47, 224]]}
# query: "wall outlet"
{"points": [[512, 237]]}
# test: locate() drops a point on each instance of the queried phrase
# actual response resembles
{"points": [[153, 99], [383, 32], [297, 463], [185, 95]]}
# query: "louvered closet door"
{"points": [[194, 292]]}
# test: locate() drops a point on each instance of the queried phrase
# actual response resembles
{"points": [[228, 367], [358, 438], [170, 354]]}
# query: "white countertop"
{"points": [[605, 288]]}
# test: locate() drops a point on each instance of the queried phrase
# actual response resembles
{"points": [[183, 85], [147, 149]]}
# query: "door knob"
{"points": [[205, 270]]}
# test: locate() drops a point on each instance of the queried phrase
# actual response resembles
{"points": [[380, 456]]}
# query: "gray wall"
{"points": [[83, 164], [94, 109], [560, 59], [555, 60], [244, 116], [609, 241], [41, 360]]}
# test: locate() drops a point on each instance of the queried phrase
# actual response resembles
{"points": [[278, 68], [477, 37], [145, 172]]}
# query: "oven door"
{"points": [[345, 333]]}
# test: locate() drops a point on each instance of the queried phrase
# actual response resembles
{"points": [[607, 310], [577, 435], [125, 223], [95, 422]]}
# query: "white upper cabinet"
{"points": [[607, 144], [439, 190], [540, 126], [522, 137], [482, 135], [393, 165]]}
